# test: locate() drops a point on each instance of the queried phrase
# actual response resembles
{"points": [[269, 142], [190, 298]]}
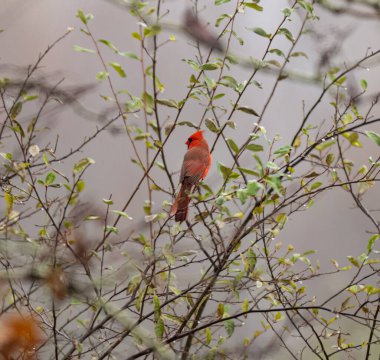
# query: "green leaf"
{"points": [[230, 82], [82, 164], [220, 310], [210, 66], [83, 49], [247, 110], [136, 36], [371, 242], [9, 199], [168, 103], [260, 31], [286, 33], [157, 307], [211, 125], [226, 172], [118, 69], [253, 5], [253, 187], [363, 84], [109, 44], [229, 325], [324, 145], [84, 17], [159, 328], [245, 305], [242, 195], [255, 147], [233, 146], [153, 30], [220, 2], [208, 336], [374, 137], [221, 18], [50, 178], [102, 75], [283, 150], [80, 186], [298, 53], [251, 259], [330, 159], [315, 186], [274, 181], [15, 110], [277, 52], [129, 54], [353, 138], [353, 261], [122, 213]]}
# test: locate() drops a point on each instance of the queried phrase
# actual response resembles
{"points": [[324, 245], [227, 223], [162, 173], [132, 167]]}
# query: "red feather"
{"points": [[196, 164]]}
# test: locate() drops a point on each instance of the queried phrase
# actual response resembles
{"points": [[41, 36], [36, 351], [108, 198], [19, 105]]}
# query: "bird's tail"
{"points": [[181, 205]]}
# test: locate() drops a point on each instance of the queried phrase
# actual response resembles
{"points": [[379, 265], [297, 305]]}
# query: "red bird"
{"points": [[196, 164]]}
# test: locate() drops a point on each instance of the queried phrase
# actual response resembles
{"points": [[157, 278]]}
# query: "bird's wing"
{"points": [[194, 165]]}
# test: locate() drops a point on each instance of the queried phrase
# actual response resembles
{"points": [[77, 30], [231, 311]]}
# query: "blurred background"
{"points": [[331, 225]]}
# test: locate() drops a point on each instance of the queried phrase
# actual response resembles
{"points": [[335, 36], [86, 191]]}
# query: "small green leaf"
{"points": [[274, 181], [15, 110], [353, 261], [254, 147], [83, 49], [211, 125], [102, 75], [298, 54], [80, 185], [245, 305], [277, 52], [229, 325], [363, 84], [330, 159], [260, 31], [253, 187], [84, 17], [371, 242], [118, 69], [251, 259], [50, 178], [109, 44], [82, 164], [324, 145], [374, 137], [159, 328], [283, 150], [210, 66], [220, 2], [157, 307], [233, 146], [253, 5], [136, 36], [247, 110], [153, 30], [122, 213], [129, 54], [242, 194], [315, 186], [168, 103], [208, 336], [286, 33]]}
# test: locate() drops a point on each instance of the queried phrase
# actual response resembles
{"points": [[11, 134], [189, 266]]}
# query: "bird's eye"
{"points": [[189, 140]]}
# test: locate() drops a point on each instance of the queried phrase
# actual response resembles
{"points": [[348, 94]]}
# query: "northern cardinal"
{"points": [[196, 164]]}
